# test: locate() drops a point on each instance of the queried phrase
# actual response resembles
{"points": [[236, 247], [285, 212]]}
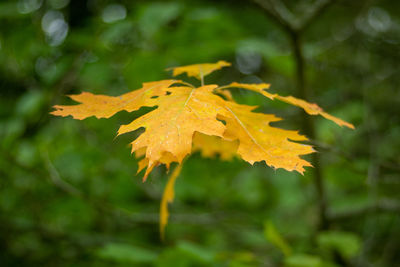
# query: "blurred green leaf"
{"points": [[126, 253], [156, 15], [186, 254], [303, 260], [123, 33], [273, 236], [347, 244], [238, 259], [196, 251], [28, 106], [10, 130]]}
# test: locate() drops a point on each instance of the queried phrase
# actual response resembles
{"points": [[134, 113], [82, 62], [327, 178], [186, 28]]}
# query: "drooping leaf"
{"points": [[168, 197], [199, 70]]}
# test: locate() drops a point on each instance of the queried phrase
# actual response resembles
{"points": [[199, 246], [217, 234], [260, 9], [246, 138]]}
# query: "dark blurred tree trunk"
{"points": [[309, 128], [294, 28]]}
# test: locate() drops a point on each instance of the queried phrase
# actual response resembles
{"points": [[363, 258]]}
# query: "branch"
{"points": [[284, 20], [290, 22], [314, 12]]}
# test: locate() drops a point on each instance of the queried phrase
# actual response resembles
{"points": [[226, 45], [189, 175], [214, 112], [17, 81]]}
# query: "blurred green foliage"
{"points": [[69, 195]]}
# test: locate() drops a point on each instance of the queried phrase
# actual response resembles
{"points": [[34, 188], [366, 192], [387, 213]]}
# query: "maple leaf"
{"points": [[171, 126], [199, 70]]}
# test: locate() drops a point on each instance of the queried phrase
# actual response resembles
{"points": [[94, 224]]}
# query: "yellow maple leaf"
{"points": [[199, 71], [171, 126]]}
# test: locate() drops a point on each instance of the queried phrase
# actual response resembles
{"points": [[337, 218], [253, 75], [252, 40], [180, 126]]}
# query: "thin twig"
{"points": [[56, 178]]}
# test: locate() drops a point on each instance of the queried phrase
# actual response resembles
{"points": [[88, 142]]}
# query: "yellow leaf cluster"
{"points": [[188, 119]]}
